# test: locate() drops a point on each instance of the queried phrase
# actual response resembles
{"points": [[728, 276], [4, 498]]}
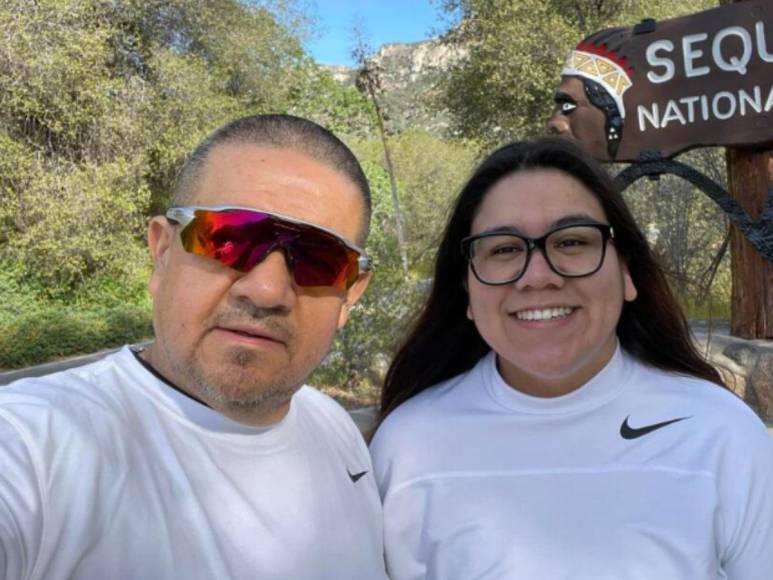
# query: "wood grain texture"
{"points": [[749, 177]]}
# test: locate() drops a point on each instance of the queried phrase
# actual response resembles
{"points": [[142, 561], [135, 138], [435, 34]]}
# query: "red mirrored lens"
{"points": [[318, 259], [241, 239], [233, 238]]}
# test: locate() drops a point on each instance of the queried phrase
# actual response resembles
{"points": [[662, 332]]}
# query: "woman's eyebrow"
{"points": [[567, 220], [575, 218]]}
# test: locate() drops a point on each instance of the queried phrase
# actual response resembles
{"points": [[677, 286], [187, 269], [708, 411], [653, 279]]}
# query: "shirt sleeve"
{"points": [[745, 487], [21, 505]]}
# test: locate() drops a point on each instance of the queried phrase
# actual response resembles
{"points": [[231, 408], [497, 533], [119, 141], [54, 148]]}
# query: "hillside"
{"points": [[409, 75]]}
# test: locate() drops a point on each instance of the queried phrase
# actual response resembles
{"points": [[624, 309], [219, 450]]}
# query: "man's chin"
{"points": [[247, 393]]}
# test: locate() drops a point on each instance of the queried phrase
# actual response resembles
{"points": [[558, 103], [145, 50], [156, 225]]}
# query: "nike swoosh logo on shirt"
{"points": [[355, 476], [628, 432]]}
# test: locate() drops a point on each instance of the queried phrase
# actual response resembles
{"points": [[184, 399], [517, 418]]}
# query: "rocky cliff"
{"points": [[409, 76]]}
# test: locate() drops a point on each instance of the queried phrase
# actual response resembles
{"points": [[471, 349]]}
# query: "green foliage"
{"points": [[109, 292], [77, 222], [316, 95], [716, 306], [36, 328], [100, 102], [430, 172], [17, 297], [53, 80], [362, 348], [516, 50], [688, 232], [41, 335]]}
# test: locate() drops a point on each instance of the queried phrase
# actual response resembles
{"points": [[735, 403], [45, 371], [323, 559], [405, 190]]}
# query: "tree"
{"points": [[517, 48], [688, 231], [430, 172], [100, 102], [503, 91], [369, 84]]}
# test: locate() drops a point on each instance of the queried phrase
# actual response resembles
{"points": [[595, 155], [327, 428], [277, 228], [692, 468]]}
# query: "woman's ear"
{"points": [[629, 288]]}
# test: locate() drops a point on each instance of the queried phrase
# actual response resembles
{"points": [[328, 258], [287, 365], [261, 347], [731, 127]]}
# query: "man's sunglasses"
{"points": [[241, 238]]}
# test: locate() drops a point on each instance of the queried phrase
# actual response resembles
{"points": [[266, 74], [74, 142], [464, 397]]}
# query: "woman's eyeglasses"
{"points": [[502, 256]]}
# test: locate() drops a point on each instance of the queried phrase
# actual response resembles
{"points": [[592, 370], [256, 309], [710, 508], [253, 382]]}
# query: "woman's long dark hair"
{"points": [[444, 342]]}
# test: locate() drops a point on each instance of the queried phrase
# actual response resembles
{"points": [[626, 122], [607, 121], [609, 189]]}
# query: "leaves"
{"points": [[100, 102], [503, 90]]}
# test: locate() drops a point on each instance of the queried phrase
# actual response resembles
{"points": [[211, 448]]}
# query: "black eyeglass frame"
{"points": [[607, 233]]}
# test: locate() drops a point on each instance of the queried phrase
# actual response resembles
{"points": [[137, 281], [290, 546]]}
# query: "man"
{"points": [[203, 456], [589, 103]]}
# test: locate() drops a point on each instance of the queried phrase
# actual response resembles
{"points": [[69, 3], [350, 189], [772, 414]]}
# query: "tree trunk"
{"points": [[749, 177]]}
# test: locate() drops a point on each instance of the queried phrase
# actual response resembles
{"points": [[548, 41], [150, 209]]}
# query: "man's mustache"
{"points": [[272, 320]]}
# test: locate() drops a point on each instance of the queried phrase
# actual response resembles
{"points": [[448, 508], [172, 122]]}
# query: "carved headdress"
{"points": [[600, 60], [594, 60]]}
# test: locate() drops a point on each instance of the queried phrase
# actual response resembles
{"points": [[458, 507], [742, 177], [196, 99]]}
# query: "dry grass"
{"points": [[355, 397]]}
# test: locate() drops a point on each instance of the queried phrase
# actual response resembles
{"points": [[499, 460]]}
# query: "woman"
{"points": [[549, 417]]}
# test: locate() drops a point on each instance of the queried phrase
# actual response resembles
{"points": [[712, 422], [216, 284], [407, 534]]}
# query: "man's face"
{"points": [[576, 117], [245, 342]]}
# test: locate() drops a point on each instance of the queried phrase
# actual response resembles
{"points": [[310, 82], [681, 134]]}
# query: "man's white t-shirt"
{"points": [[106, 472], [638, 475]]}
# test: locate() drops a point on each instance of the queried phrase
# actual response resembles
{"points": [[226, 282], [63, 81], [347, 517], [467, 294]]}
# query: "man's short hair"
{"points": [[281, 132]]}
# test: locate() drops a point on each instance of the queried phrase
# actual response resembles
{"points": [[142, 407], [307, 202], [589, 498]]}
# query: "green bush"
{"points": [[35, 328], [360, 355], [51, 332], [714, 308], [108, 293]]}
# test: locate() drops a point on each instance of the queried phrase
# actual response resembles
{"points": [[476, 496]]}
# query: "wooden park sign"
{"points": [[664, 87], [644, 93]]}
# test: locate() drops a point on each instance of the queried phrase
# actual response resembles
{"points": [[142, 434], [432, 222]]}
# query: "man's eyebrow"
{"points": [[561, 96]]}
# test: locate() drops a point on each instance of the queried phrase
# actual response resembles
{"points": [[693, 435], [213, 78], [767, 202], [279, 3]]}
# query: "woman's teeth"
{"points": [[544, 314]]}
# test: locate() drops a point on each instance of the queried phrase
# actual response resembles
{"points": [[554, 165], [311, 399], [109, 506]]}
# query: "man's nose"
{"points": [[269, 284], [557, 124]]}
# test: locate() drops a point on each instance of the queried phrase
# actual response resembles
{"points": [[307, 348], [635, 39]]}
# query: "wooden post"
{"points": [[750, 175]]}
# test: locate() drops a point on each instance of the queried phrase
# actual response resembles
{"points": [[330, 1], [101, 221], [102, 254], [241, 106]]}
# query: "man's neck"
{"points": [[142, 355]]}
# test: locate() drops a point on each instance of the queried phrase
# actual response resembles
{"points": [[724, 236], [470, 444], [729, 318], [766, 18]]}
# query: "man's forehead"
{"points": [[242, 156], [254, 166], [284, 180], [571, 85]]}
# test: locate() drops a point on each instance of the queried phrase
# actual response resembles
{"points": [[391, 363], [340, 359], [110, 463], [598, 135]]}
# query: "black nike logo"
{"points": [[628, 432], [355, 476]]}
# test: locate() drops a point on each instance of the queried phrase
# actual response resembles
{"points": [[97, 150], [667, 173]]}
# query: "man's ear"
{"points": [[352, 296], [160, 236]]}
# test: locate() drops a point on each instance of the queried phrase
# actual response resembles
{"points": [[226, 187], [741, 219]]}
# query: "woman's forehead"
{"points": [[534, 200]]}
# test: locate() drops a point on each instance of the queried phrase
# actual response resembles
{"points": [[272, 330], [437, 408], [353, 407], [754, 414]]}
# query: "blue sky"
{"points": [[383, 21]]}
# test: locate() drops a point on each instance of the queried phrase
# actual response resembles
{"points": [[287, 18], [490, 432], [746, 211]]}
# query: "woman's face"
{"points": [[551, 334]]}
